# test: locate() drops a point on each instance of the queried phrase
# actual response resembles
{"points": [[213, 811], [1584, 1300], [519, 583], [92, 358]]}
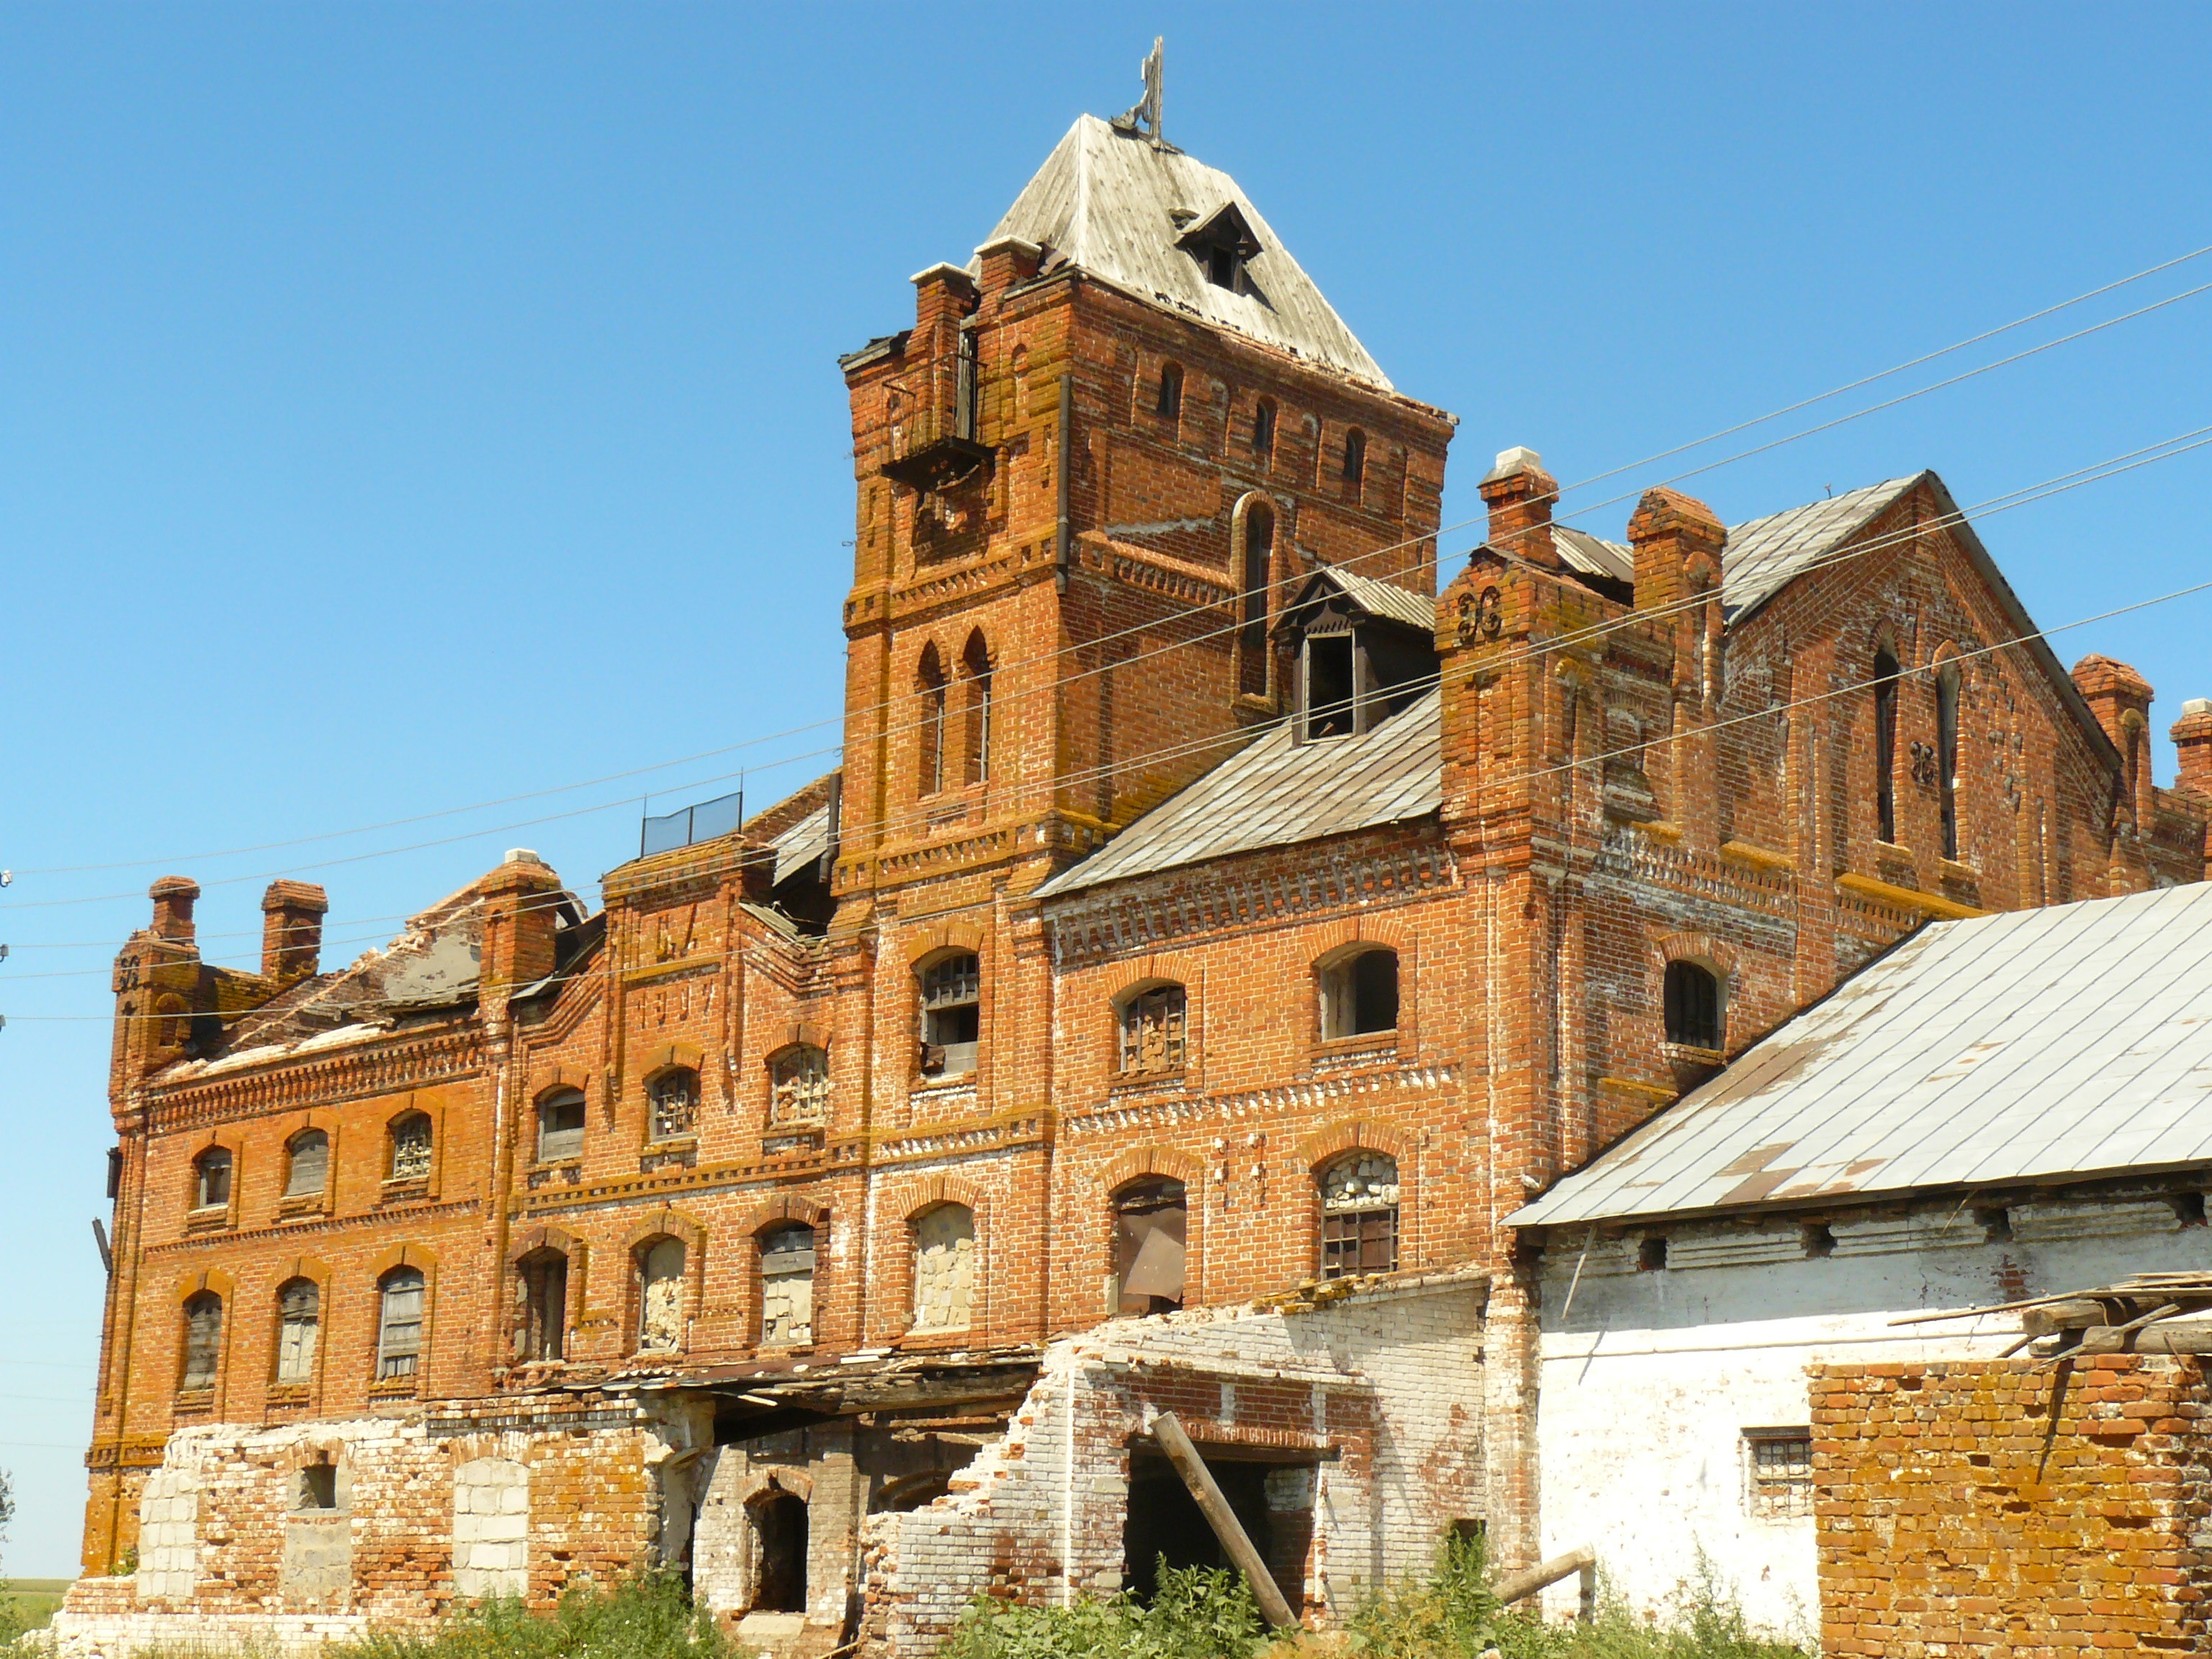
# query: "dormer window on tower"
{"points": [[1363, 651], [1223, 243]]}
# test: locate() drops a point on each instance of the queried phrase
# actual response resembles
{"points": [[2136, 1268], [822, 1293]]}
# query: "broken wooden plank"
{"points": [[1521, 1585], [1169, 1432]]}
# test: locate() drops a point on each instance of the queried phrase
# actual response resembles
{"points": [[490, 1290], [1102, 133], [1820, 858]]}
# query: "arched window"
{"points": [[672, 1104], [299, 1328], [411, 1146], [1693, 1005], [202, 1340], [1263, 430], [787, 1271], [799, 1084], [929, 734], [1355, 459], [1884, 742], [1169, 402], [1258, 559], [778, 1553], [1359, 995], [1359, 1215], [560, 1125], [541, 1325], [1150, 1221], [952, 1014], [398, 1322], [660, 1296], [211, 1179], [975, 665], [1152, 1022], [1947, 755], [307, 1163], [175, 1017], [943, 1268]]}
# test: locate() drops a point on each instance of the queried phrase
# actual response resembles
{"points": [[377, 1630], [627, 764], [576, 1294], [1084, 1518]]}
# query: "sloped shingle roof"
{"points": [[1762, 556]]}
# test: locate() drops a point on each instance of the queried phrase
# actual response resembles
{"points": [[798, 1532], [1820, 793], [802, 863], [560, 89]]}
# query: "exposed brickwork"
{"points": [[2005, 1508]]}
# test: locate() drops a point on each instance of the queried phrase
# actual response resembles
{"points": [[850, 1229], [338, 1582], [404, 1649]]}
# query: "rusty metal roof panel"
{"points": [[2045, 1044], [1276, 791]]}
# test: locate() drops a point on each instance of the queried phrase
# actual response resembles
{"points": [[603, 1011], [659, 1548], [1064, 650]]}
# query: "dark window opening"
{"points": [[780, 1537], [910, 1492], [1885, 743], [1995, 1224], [115, 1172], [202, 1340], [1693, 1005], [1819, 1239], [1170, 403], [1263, 428], [1359, 1215], [1150, 1219], [1328, 688], [976, 662], [211, 1179], [2189, 1209], [1355, 458], [318, 1487], [1165, 1526], [951, 1015], [1650, 1255], [561, 1125], [1359, 995], [541, 1333], [1946, 756], [1258, 558], [929, 769]]}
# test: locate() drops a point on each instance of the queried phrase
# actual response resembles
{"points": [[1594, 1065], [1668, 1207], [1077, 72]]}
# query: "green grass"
{"points": [[29, 1603]]}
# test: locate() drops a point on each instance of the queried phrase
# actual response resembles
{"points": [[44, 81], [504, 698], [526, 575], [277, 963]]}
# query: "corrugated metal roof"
{"points": [[1277, 791], [2058, 1043], [1387, 599], [1102, 202], [1592, 554], [804, 843], [1762, 556]]}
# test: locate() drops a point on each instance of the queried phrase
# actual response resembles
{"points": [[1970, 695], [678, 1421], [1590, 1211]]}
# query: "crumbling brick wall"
{"points": [[1994, 1507]]}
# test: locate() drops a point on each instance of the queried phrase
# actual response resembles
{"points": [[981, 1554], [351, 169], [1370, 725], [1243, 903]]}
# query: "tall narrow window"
{"points": [[672, 1104], [1150, 1221], [976, 662], [1169, 402], [1947, 755], [398, 1322], [1153, 1029], [944, 1268], [542, 1283], [211, 1179], [308, 1169], [787, 1270], [1355, 459], [1885, 743], [1263, 430], [1359, 1215], [202, 1340], [660, 1297], [300, 1323], [1693, 1005], [929, 734], [1359, 995], [951, 1015], [561, 1125], [411, 1146], [1259, 559]]}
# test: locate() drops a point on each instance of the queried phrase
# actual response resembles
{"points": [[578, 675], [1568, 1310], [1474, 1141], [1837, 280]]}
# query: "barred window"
{"points": [[1153, 1029], [799, 1080], [309, 1169], [674, 1099], [561, 1125], [410, 1147], [300, 1318], [1359, 1215], [1777, 1467], [202, 1340], [1693, 1005], [399, 1322]]}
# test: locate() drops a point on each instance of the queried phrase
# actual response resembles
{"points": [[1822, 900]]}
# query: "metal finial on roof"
{"points": [[1143, 118]]}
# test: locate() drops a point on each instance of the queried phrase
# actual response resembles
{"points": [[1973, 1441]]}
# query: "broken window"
{"points": [[300, 1321], [943, 1268], [1153, 1029], [779, 1561], [1359, 1215], [1359, 995], [561, 1125], [799, 1084], [660, 1296], [1259, 564], [202, 1340], [672, 1103], [1170, 401], [211, 1179], [1693, 1005], [307, 1168], [542, 1329], [1263, 430], [398, 1322], [1150, 1221], [1947, 756], [929, 683], [1885, 743], [786, 1271], [976, 664], [410, 1147], [952, 1014], [1777, 1473], [1355, 460]]}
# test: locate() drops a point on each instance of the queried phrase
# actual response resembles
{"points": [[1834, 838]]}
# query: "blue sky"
{"points": [[406, 407]]}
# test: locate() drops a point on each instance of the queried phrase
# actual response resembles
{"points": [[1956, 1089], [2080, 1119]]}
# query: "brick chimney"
{"points": [[291, 930], [2192, 736], [1667, 530], [520, 917], [173, 898], [1520, 494], [2120, 698], [1007, 261]]}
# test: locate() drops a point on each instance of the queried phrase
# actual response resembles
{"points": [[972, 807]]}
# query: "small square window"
{"points": [[318, 1487], [1777, 1467]]}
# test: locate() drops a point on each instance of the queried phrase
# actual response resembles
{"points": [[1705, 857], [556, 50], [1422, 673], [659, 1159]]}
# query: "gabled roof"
{"points": [[1378, 599], [2049, 1044], [1107, 203], [1762, 556], [1278, 791]]}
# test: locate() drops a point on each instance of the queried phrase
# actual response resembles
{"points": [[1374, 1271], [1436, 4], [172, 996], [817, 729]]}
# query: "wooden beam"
{"points": [[1215, 1507], [1521, 1585]]}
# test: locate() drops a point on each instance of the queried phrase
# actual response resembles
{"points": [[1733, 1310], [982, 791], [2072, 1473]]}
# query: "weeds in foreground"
{"points": [[647, 1618]]}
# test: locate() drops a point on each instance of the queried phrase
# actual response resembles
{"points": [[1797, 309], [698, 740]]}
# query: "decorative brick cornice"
{"points": [[411, 1216], [291, 1081], [1264, 1103]]}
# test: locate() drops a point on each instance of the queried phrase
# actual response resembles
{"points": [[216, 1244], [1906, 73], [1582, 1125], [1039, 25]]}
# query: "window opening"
{"points": [[211, 1179], [1693, 1005], [1222, 268], [1259, 559], [561, 1125], [1329, 710], [202, 1340], [1359, 995], [787, 1286], [1355, 458], [1778, 1474], [944, 1269], [543, 1331], [1650, 1255], [660, 1297], [410, 1147], [1885, 743], [1996, 1225], [1152, 1221], [309, 1169], [1819, 1239], [1263, 428], [1170, 398], [976, 660], [930, 735], [673, 1098], [1946, 756], [1359, 1215], [1272, 1502], [780, 1562], [318, 1487], [299, 1320], [1153, 1029], [951, 1015], [399, 1322], [799, 1084]]}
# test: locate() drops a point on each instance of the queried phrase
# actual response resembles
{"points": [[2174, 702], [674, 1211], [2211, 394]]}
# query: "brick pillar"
{"points": [[173, 897], [1520, 494], [520, 919], [292, 914]]}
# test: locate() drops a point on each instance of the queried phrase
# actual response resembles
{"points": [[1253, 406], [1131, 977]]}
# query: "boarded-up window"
{"points": [[1153, 1029], [561, 1125], [211, 1179], [202, 1340], [1778, 1472], [944, 1268], [787, 1286], [1150, 1221], [309, 1169], [399, 1322], [410, 1147], [1359, 1215], [951, 1015], [798, 1082], [673, 1102], [299, 1320], [660, 1297]]}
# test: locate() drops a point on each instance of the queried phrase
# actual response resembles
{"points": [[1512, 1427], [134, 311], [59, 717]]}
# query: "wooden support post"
{"points": [[1223, 1519], [1583, 1561]]}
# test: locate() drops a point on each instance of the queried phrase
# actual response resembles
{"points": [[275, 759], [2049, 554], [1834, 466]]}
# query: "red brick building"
{"points": [[1211, 930]]}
